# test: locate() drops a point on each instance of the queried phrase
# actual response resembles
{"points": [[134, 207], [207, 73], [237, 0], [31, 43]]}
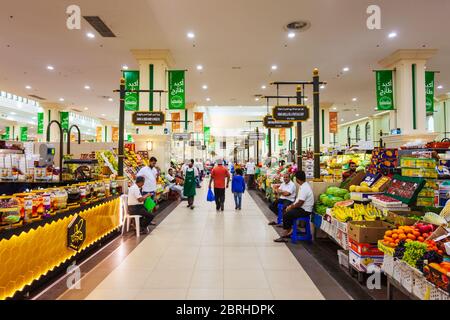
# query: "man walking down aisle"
{"points": [[218, 175], [190, 175], [150, 175], [250, 171]]}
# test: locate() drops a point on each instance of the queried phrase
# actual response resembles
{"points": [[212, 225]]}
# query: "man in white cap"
{"points": [[218, 175]]}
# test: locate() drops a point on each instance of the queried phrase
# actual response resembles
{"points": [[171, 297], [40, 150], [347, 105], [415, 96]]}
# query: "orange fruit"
{"points": [[388, 233], [395, 236], [411, 236], [408, 240], [416, 233], [421, 239], [402, 236], [388, 239], [397, 241]]}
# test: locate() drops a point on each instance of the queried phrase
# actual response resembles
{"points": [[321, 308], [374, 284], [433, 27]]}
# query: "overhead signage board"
{"points": [[271, 123], [256, 136], [181, 136], [294, 113], [148, 118]]}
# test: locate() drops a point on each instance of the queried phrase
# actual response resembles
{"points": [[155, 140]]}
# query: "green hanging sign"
{"points": [[385, 90], [177, 99], [206, 135], [40, 125], [130, 138], [280, 143], [429, 91], [131, 83], [23, 133], [6, 135], [64, 117]]}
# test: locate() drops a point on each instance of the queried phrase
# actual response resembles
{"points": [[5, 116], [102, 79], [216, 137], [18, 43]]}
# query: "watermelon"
{"points": [[345, 203]]}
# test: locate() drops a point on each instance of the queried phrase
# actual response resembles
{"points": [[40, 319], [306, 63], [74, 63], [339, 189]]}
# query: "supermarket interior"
{"points": [[224, 150]]}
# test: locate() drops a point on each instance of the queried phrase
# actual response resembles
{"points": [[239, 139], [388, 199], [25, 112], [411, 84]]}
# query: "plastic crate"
{"points": [[388, 265], [407, 277], [421, 285], [343, 258], [435, 293], [397, 270]]}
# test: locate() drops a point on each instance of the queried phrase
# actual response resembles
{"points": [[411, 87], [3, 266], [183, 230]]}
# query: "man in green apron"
{"points": [[190, 173]]}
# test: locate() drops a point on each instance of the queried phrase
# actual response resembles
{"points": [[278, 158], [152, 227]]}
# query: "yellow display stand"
{"points": [[30, 255]]}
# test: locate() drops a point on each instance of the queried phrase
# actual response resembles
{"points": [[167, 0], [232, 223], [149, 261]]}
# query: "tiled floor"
{"points": [[202, 254]]}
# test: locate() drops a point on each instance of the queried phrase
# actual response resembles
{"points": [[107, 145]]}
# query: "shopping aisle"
{"points": [[202, 254]]}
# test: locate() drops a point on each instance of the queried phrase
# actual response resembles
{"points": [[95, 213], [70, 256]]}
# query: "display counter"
{"points": [[31, 251]]}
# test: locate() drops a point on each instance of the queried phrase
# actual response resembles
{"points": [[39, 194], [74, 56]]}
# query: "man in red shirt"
{"points": [[218, 175]]}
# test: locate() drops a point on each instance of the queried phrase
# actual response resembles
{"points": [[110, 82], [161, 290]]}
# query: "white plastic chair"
{"points": [[127, 217]]}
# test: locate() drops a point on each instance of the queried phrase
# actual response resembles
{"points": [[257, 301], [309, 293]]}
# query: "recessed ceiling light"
{"points": [[322, 86], [274, 67], [208, 99], [263, 87], [346, 69], [50, 67], [199, 67], [440, 87], [334, 108], [28, 87], [190, 35], [256, 99], [392, 35], [355, 99], [110, 99], [291, 35], [61, 99], [87, 87], [357, 114], [306, 99], [90, 35], [12, 113], [86, 108], [204, 87], [124, 67]]}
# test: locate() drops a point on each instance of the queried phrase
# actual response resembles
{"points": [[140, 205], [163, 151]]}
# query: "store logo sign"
{"points": [[373, 22], [76, 233], [73, 21]]}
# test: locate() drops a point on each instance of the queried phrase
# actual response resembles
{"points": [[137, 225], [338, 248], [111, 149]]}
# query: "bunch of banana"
{"points": [[343, 214]]}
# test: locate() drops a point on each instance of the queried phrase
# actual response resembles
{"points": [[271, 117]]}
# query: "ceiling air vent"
{"points": [[36, 97], [100, 26], [298, 26]]}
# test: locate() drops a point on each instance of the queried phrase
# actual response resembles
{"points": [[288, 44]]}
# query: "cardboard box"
{"points": [[400, 218], [368, 231], [362, 263], [364, 249], [354, 180]]}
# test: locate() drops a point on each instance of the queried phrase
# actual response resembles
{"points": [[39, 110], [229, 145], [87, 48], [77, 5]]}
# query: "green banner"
{"points": [[280, 143], [40, 121], [6, 135], [130, 138], [23, 133], [385, 90], [206, 135], [177, 99], [64, 117], [429, 90], [131, 83]]}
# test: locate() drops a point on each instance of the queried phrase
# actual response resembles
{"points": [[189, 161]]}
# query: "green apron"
{"points": [[189, 184]]}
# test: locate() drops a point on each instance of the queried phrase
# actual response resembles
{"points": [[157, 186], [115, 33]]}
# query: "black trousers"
{"points": [[141, 211], [291, 215], [251, 181], [219, 195], [274, 205], [190, 201]]}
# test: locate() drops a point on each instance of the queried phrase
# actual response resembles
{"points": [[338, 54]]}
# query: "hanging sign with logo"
{"points": [[6, 135], [64, 117], [333, 122], [176, 124], [429, 90], [198, 122], [181, 136], [76, 232], [23, 133], [270, 122], [206, 135], [131, 83], [177, 99], [115, 134], [294, 113], [40, 121], [148, 118], [385, 89]]}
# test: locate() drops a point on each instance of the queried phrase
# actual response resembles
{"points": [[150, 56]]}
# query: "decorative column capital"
{"points": [[154, 54], [406, 54]]}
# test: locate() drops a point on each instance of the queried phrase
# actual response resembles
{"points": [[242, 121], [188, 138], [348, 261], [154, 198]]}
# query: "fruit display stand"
{"points": [[336, 164], [45, 245]]}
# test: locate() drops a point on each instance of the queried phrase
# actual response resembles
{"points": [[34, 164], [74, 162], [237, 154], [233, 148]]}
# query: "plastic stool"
{"points": [[307, 236], [280, 213]]}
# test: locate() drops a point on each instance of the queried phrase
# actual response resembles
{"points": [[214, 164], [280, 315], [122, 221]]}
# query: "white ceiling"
{"points": [[247, 34]]}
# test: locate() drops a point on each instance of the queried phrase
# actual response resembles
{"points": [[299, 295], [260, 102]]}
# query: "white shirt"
{"points": [[250, 167], [190, 169], [199, 166], [305, 194], [291, 188], [133, 195], [150, 178], [170, 178]]}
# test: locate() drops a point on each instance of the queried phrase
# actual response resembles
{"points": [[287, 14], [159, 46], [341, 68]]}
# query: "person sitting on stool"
{"points": [[286, 195], [136, 204], [302, 207]]}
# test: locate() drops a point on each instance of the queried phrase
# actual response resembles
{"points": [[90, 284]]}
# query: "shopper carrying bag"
{"points": [[210, 196]]}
